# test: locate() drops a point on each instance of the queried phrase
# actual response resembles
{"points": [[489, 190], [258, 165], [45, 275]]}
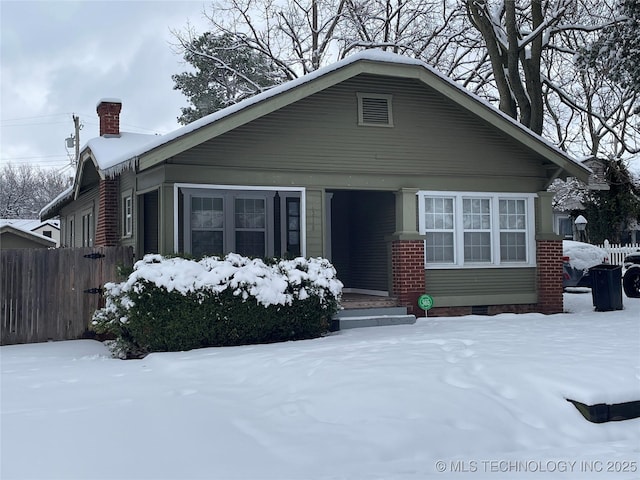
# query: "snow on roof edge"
{"points": [[131, 158], [29, 233], [59, 200], [371, 55]]}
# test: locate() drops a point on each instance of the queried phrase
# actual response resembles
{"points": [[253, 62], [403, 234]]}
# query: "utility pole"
{"points": [[74, 139], [76, 125]]}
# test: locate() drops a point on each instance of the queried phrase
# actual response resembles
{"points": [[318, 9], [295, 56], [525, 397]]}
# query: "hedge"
{"points": [[175, 304]]}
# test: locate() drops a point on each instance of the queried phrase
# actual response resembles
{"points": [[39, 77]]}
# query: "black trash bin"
{"points": [[606, 287]]}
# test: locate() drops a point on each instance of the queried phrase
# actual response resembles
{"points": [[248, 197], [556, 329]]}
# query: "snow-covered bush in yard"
{"points": [[173, 304]]}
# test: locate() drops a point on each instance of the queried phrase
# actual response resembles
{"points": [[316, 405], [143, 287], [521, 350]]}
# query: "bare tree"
{"points": [[588, 112], [518, 54], [25, 189], [298, 36]]}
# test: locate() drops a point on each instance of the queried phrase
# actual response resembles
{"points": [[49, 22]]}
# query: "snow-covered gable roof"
{"points": [[51, 209], [370, 55], [111, 155], [368, 61], [28, 224]]}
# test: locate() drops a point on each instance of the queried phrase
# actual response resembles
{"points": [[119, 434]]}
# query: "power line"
{"points": [[30, 124], [32, 157], [34, 116]]}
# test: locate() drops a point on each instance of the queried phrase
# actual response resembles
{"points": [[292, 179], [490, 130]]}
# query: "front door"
{"points": [[361, 223]]}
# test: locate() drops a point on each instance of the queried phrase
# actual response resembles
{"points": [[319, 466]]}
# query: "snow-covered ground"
{"points": [[467, 397]]}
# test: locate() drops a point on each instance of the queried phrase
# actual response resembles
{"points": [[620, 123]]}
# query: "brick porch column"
{"points": [[408, 276], [107, 215], [549, 260]]}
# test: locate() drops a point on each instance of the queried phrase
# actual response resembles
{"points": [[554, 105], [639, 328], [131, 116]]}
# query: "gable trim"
{"points": [[375, 63]]}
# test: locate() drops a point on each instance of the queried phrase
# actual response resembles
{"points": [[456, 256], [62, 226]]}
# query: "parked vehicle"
{"points": [[577, 259], [631, 278]]}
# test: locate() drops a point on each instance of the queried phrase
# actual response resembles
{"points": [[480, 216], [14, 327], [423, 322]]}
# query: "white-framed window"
{"points": [[513, 229], [87, 228], [477, 229], [375, 110], [476, 224], [438, 215], [127, 214], [564, 226]]}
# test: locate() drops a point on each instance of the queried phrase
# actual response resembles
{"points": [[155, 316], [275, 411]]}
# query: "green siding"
{"points": [[476, 286], [84, 202], [148, 214], [165, 198], [434, 144]]}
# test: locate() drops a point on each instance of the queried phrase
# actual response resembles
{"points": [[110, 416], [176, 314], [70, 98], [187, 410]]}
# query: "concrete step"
{"points": [[377, 316], [373, 321], [370, 312]]}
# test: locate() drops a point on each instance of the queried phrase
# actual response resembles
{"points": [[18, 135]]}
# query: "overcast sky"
{"points": [[59, 58]]}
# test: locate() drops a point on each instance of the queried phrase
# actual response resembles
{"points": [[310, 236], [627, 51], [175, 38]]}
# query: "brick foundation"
{"points": [[490, 310], [107, 218], [407, 270]]}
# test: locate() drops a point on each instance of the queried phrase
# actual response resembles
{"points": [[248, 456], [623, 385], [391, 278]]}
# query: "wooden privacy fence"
{"points": [[52, 294]]}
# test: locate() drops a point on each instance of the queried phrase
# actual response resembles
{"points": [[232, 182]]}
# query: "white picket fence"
{"points": [[618, 252]]}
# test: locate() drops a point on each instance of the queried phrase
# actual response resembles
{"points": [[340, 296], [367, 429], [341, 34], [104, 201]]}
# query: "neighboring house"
{"points": [[28, 233], [564, 219], [49, 229], [404, 180]]}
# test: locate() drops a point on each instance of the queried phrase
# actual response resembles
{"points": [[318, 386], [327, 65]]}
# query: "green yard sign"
{"points": [[425, 302]]}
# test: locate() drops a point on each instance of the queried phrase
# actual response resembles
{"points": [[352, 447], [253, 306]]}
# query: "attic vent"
{"points": [[374, 110]]}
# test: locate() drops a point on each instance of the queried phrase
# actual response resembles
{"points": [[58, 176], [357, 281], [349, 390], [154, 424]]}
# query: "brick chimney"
{"points": [[107, 216], [109, 113]]}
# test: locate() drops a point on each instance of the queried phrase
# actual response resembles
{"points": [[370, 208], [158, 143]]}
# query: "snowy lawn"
{"points": [[467, 397]]}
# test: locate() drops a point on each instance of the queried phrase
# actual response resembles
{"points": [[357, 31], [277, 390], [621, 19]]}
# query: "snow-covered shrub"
{"points": [[173, 304]]}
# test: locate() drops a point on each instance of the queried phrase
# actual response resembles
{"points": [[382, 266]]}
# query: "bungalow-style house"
{"points": [[28, 233], [404, 180]]}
